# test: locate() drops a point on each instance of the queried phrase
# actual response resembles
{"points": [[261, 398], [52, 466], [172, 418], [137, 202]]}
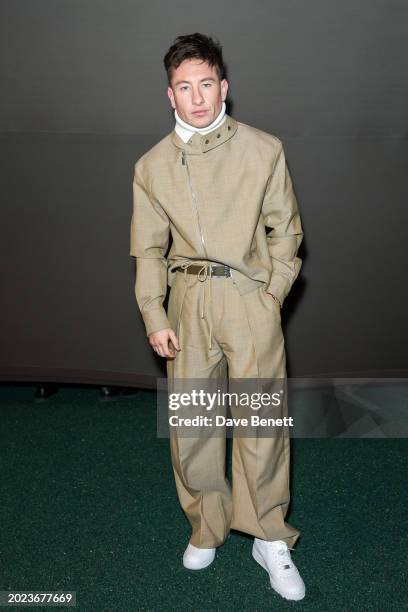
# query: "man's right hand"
{"points": [[164, 342]]}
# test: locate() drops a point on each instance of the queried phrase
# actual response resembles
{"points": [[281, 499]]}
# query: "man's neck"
{"points": [[185, 130]]}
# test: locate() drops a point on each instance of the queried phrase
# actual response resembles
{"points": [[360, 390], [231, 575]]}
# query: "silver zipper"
{"points": [[194, 199]]}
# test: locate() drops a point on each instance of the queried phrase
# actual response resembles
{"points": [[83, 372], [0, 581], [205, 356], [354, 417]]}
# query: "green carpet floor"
{"points": [[88, 504]]}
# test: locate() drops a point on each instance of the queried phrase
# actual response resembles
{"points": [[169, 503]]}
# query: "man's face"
{"points": [[196, 92]]}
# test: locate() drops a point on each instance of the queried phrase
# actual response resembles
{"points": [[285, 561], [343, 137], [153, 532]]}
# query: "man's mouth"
{"points": [[199, 112]]}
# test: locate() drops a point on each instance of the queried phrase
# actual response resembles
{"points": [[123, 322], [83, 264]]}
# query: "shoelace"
{"points": [[283, 557]]}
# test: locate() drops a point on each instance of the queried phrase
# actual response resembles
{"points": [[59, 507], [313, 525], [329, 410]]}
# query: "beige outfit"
{"points": [[216, 195]]}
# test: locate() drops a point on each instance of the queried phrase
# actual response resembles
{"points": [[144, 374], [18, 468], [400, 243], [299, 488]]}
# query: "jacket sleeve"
{"points": [[280, 212], [149, 239]]}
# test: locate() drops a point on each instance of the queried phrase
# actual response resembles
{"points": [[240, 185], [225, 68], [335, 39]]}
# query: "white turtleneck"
{"points": [[185, 130]]}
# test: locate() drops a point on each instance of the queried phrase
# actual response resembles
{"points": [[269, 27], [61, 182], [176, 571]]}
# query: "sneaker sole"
{"points": [[199, 568], [259, 559]]}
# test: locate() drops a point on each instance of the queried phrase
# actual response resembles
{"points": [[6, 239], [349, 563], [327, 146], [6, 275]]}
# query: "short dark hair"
{"points": [[195, 45]]}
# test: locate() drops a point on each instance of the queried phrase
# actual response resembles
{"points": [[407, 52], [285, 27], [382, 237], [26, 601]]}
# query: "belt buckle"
{"points": [[226, 270], [224, 267], [214, 269]]}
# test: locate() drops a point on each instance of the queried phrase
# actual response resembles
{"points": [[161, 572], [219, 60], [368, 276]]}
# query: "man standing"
{"points": [[216, 184]]}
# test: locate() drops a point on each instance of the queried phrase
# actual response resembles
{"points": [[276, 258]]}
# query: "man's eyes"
{"points": [[205, 84]]}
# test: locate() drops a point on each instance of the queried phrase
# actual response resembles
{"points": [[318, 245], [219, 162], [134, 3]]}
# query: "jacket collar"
{"points": [[200, 143], [186, 130]]}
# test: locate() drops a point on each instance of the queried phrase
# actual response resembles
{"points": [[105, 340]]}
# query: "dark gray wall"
{"points": [[83, 95]]}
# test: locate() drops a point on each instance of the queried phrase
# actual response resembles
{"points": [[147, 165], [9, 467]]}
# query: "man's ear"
{"points": [[224, 85], [171, 96]]}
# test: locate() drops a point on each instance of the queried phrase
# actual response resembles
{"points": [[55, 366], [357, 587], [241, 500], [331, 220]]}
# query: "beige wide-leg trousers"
{"points": [[225, 334]]}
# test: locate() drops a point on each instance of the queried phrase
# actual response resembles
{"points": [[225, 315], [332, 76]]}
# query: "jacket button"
{"points": [[218, 135], [207, 141]]}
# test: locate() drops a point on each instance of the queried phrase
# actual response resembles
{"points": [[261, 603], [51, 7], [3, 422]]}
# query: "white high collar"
{"points": [[185, 130]]}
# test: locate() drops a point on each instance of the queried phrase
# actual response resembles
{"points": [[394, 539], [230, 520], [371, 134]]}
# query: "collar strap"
{"points": [[200, 143]]}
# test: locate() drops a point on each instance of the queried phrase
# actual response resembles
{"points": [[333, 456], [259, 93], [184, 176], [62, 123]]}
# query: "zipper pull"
{"points": [[183, 158]]}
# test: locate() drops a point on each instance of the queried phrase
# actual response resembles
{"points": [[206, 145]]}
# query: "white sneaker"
{"points": [[275, 558], [197, 558]]}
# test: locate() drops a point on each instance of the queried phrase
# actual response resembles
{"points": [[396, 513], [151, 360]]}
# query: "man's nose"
{"points": [[197, 96]]}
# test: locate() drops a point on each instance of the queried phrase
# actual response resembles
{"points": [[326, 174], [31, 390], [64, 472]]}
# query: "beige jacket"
{"points": [[215, 195]]}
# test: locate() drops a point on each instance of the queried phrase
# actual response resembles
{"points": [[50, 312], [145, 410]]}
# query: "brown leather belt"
{"points": [[216, 270]]}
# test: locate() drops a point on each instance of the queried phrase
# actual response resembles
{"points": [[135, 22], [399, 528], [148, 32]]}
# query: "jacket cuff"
{"points": [[279, 286], [155, 320]]}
